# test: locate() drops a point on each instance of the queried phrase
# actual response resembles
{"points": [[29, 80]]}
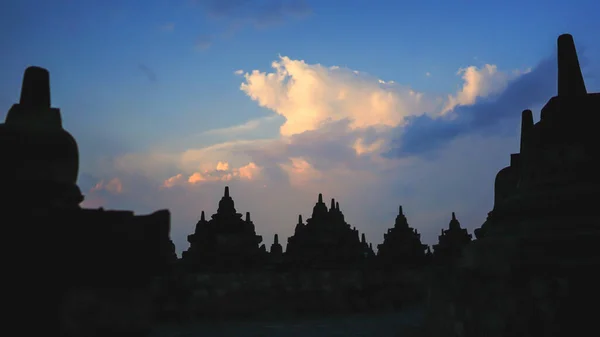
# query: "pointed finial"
{"points": [[202, 218], [337, 206], [570, 79], [35, 91], [226, 191], [276, 239], [332, 204], [320, 198], [400, 210], [247, 216], [371, 246], [454, 224], [300, 218], [363, 239]]}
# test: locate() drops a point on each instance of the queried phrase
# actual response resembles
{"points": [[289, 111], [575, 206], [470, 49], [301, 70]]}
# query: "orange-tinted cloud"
{"points": [[308, 95], [338, 123], [300, 172], [222, 172], [113, 186]]}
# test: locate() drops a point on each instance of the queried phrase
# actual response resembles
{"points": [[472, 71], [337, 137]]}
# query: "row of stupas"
{"points": [[326, 240]]}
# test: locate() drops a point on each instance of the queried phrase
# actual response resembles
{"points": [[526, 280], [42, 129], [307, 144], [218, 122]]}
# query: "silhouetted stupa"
{"points": [[533, 269], [40, 159], [326, 241], [276, 251], [81, 252], [367, 248], [556, 171], [225, 241], [451, 242], [401, 245]]}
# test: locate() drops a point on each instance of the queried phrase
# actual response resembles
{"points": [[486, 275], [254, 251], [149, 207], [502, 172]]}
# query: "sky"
{"points": [[374, 103]]}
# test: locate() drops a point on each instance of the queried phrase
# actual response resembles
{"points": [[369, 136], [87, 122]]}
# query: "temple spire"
{"points": [[320, 198], [276, 239], [202, 217], [300, 218], [35, 91], [454, 223], [400, 210], [363, 238], [226, 191], [247, 216], [332, 204], [570, 79], [526, 125]]}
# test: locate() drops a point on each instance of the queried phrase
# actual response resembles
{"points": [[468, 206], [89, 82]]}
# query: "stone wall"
{"points": [[272, 294], [517, 286]]}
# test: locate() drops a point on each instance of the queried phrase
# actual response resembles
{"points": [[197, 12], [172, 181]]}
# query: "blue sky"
{"points": [[148, 89]]}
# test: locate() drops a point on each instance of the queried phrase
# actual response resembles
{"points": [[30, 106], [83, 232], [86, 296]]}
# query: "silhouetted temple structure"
{"points": [[451, 242], [556, 167], [225, 241], [201, 244], [401, 245], [70, 252], [536, 257], [276, 248], [325, 241], [367, 248]]}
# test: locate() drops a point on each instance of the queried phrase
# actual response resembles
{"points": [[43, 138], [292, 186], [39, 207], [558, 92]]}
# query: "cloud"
{"points": [[309, 96], [301, 172], [222, 172], [230, 16], [242, 128], [349, 135], [113, 186], [168, 27], [258, 13], [148, 72], [482, 105], [204, 42], [479, 83]]}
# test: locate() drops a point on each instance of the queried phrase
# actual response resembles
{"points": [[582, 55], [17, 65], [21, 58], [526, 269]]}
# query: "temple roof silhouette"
{"points": [[38, 154], [558, 151]]}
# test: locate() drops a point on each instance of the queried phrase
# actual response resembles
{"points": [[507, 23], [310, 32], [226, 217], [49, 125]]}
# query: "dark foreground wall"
{"points": [[271, 294]]}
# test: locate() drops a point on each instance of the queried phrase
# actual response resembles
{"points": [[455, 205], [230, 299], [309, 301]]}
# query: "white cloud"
{"points": [[338, 122], [242, 128], [309, 95], [480, 82]]}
